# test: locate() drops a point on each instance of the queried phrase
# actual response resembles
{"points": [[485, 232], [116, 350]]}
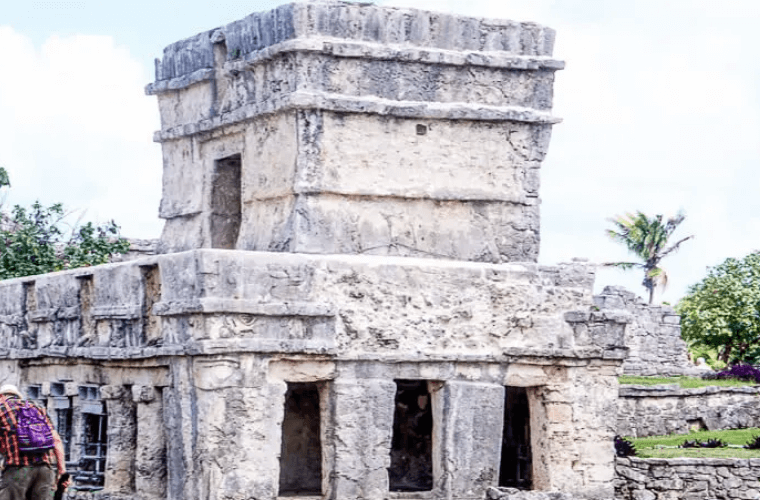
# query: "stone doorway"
{"points": [[301, 451], [516, 457], [226, 205], [412, 446]]}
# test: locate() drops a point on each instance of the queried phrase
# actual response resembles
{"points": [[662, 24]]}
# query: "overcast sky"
{"points": [[660, 101]]}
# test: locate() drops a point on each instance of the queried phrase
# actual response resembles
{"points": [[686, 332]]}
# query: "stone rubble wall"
{"points": [[668, 409], [653, 336], [687, 479]]}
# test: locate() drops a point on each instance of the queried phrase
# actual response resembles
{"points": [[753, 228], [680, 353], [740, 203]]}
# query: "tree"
{"points": [[35, 240], [722, 312], [647, 238]]}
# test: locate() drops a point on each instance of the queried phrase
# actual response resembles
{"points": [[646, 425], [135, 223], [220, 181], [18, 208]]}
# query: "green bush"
{"points": [[35, 240]]}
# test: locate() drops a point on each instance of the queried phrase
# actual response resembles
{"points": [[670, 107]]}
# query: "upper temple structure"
{"points": [[345, 303], [353, 129]]}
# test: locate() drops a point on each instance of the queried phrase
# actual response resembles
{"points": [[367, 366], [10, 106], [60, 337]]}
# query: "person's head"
{"points": [[10, 390]]}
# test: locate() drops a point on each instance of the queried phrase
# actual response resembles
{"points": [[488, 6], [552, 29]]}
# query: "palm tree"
{"points": [[647, 239]]}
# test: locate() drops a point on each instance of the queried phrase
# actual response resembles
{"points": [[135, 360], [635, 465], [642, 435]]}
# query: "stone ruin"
{"points": [[346, 302]]}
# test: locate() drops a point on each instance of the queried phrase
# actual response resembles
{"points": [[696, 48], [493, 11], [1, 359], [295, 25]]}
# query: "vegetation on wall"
{"points": [[647, 238], [722, 311], [37, 240], [737, 443]]}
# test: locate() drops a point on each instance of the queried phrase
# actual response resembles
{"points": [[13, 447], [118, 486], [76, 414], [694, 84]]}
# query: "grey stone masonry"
{"points": [[515, 494], [687, 479], [357, 129], [668, 409], [208, 341], [653, 336], [344, 303]]}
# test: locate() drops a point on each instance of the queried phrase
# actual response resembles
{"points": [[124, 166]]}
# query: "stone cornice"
{"points": [[352, 104]]}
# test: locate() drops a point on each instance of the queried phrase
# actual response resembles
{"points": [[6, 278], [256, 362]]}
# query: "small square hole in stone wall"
{"points": [[226, 202], [516, 456], [301, 451], [412, 446]]}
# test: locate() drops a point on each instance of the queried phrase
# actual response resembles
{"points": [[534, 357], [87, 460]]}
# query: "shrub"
{"points": [[710, 443], [740, 372], [753, 443], [624, 448], [37, 240]]}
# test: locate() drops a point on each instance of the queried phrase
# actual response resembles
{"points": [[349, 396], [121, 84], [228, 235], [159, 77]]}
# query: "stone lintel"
{"points": [[117, 312], [50, 314]]}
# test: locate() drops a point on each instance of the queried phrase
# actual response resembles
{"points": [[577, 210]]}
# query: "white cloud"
{"points": [[76, 128]]}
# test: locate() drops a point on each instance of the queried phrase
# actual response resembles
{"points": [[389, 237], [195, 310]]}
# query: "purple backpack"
{"points": [[32, 429]]}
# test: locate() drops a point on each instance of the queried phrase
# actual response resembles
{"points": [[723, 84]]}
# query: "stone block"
{"points": [[471, 415]]}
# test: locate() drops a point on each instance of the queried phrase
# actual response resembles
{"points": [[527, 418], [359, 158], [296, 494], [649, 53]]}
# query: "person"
{"points": [[26, 476]]}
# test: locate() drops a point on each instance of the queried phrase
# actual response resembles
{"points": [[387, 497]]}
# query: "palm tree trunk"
{"points": [[651, 294]]}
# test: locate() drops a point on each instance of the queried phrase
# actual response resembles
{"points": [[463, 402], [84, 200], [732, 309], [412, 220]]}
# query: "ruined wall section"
{"points": [[383, 131], [653, 336], [667, 409], [208, 341]]}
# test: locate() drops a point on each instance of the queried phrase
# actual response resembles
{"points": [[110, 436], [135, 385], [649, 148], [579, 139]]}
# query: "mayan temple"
{"points": [[346, 302]]}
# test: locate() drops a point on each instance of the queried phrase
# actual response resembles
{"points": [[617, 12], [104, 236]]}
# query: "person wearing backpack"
{"points": [[31, 447]]}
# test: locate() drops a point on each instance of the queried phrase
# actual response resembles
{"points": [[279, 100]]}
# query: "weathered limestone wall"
{"points": [[653, 336], [668, 409], [515, 494], [361, 130], [687, 478], [207, 341]]}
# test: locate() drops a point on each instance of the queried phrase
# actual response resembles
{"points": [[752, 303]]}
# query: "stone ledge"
{"points": [[237, 306], [674, 390], [350, 104], [364, 50]]}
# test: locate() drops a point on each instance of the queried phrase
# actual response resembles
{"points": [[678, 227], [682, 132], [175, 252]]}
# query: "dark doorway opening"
{"points": [[226, 204], [516, 458], [301, 451], [412, 446]]}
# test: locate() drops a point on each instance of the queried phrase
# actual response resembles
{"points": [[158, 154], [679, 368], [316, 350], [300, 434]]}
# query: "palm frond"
{"points": [[674, 246], [623, 265]]}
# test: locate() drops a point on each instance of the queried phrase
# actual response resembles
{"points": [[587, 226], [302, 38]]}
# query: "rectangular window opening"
{"points": [[301, 451], [516, 457], [412, 445], [90, 472], [226, 202]]}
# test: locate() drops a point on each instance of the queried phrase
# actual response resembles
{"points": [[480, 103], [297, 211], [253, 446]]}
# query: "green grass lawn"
{"points": [[684, 382], [667, 446]]}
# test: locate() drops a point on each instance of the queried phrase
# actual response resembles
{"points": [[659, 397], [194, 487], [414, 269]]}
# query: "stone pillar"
{"points": [[574, 422], [468, 421], [363, 429], [236, 432], [150, 457], [122, 439]]}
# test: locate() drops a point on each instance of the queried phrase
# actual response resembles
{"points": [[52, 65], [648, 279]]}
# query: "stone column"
{"points": [[122, 439], [363, 427], [468, 419], [150, 457]]}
